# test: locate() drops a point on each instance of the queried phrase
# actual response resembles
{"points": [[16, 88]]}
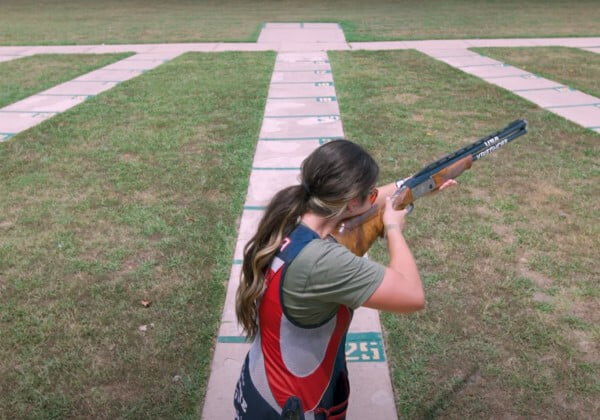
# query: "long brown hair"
{"points": [[331, 176]]}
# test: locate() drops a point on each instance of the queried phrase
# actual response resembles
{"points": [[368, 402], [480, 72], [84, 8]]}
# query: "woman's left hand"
{"points": [[448, 184]]}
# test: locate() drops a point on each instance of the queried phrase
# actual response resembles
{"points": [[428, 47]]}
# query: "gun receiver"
{"points": [[359, 233]]}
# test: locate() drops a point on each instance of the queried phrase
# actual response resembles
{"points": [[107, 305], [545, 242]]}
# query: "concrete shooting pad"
{"points": [[289, 153], [301, 90], [326, 105], [558, 97], [525, 82], [15, 122], [311, 76], [43, 103], [295, 127]]}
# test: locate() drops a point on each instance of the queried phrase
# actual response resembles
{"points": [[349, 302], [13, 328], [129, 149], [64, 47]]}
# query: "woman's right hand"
{"points": [[393, 218]]}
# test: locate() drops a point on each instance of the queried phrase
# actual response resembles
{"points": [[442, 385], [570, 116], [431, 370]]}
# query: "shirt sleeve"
{"points": [[339, 276]]}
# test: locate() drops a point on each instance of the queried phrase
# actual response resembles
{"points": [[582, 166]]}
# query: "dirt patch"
{"points": [[542, 298], [5, 225], [504, 232], [129, 157], [121, 392], [585, 343], [539, 279], [133, 262]]}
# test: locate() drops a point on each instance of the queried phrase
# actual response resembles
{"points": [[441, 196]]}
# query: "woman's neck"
{"points": [[319, 224]]}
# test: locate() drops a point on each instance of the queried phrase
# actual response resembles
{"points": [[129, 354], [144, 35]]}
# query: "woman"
{"points": [[299, 287]]}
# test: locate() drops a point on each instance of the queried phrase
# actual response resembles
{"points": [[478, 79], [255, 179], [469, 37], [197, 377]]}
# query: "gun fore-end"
{"points": [[452, 171], [360, 238]]}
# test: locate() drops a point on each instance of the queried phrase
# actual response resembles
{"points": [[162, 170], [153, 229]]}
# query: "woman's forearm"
{"points": [[401, 258]]}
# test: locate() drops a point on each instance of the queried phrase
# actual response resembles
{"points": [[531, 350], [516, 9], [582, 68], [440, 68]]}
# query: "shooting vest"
{"points": [[289, 364]]}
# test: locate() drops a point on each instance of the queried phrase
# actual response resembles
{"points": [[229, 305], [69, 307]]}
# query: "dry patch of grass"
{"points": [[508, 258]]}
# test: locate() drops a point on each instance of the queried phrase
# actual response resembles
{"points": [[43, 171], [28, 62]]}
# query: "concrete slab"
{"points": [[158, 55], [494, 71], [137, 48], [321, 25], [282, 25], [13, 50], [225, 369], [45, 103], [229, 325], [79, 88], [558, 97], [301, 90], [365, 320], [373, 46], [5, 58], [569, 42], [301, 35], [15, 122], [295, 57], [271, 154], [307, 106], [529, 81], [324, 126], [59, 49], [587, 116], [250, 46], [302, 76], [303, 66], [108, 76], [292, 46], [440, 53], [264, 184], [502, 42], [201, 47], [475, 60], [133, 64], [440, 44], [371, 394]]}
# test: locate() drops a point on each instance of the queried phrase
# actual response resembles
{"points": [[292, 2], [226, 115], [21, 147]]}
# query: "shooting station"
{"points": [[141, 144]]}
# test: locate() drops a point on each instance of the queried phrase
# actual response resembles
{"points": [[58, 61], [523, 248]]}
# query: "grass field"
{"points": [[569, 66], [119, 200], [26, 76], [509, 258], [26, 22]]}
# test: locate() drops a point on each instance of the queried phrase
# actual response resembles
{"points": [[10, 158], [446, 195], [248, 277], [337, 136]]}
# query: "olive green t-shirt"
{"points": [[325, 275]]}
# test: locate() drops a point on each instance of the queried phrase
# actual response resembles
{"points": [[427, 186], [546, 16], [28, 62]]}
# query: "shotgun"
{"points": [[360, 232]]}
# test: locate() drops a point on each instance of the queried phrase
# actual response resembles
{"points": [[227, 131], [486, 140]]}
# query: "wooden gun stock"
{"points": [[359, 234]]}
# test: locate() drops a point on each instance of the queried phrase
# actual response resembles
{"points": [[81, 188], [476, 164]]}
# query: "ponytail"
{"points": [[279, 220]]}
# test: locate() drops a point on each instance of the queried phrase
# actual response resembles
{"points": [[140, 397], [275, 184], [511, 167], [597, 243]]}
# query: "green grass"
{"points": [[122, 199], [25, 22], [509, 257], [29, 75], [569, 66]]}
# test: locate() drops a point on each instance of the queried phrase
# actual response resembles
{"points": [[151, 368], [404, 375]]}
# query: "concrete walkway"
{"points": [[576, 106], [300, 114], [31, 111]]}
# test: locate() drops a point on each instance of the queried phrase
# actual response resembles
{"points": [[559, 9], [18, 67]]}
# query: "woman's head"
{"points": [[336, 173], [333, 176]]}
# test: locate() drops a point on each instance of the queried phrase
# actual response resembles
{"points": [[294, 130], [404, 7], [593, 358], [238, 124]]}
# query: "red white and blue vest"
{"points": [[288, 360]]}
